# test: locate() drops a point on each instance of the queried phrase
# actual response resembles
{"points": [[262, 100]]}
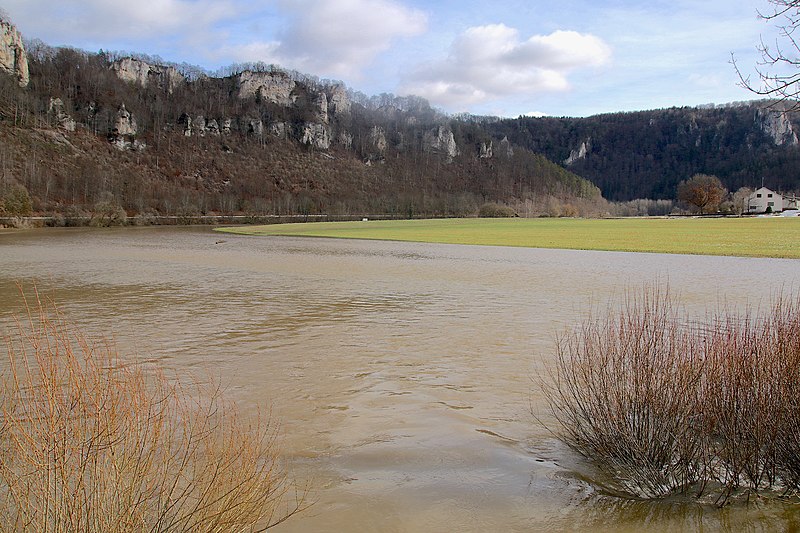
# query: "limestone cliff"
{"points": [[315, 135], [580, 153], [321, 107], [338, 101], [776, 124], [62, 118], [275, 87], [123, 136], [441, 141], [13, 59], [377, 140], [143, 73]]}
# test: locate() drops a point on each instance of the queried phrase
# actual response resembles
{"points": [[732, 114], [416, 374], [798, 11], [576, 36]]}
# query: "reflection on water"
{"points": [[404, 374]]}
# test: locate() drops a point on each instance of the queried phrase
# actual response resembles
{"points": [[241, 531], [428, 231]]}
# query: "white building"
{"points": [[763, 199]]}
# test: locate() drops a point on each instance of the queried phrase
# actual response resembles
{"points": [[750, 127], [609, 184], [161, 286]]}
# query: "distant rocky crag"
{"points": [[13, 59]]}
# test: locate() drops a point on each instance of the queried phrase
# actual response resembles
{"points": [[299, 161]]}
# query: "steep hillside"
{"points": [[89, 130], [646, 154]]}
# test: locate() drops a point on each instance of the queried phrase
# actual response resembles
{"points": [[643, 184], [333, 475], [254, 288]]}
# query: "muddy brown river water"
{"points": [[403, 375]]}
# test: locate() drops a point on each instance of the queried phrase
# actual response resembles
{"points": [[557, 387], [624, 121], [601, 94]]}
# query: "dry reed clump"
{"points": [[664, 406], [90, 444]]}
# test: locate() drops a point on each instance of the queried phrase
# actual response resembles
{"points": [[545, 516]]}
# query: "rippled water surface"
{"points": [[404, 375]]}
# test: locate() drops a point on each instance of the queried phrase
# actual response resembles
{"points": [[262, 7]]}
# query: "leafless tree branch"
{"points": [[778, 71]]}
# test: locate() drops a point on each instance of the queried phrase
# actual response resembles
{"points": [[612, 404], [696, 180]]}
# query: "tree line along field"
{"points": [[745, 237]]}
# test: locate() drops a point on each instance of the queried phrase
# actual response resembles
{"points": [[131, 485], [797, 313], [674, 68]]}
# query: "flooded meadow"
{"points": [[404, 376]]}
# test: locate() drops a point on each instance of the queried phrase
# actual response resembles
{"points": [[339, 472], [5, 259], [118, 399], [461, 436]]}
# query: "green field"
{"points": [[748, 237]]}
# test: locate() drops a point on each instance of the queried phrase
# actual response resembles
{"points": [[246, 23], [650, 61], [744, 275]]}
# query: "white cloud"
{"points": [[323, 37], [340, 38], [489, 62], [77, 20]]}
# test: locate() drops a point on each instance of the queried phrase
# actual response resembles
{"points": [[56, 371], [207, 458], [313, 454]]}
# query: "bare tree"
{"points": [[740, 198], [778, 71], [702, 191]]}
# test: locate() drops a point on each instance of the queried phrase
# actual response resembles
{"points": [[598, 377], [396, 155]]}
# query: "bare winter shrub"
{"points": [[663, 406], [90, 444], [624, 393], [495, 210]]}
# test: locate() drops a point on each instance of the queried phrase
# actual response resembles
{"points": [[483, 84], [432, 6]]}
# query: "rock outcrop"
{"points": [[580, 153], [212, 127], [62, 118], [13, 59], [275, 87], [485, 151], [227, 126], [338, 101], [143, 73], [278, 129], [506, 149], [125, 123], [377, 140], [776, 124], [185, 122], [441, 141], [254, 126], [321, 108], [123, 136], [201, 125], [315, 135]]}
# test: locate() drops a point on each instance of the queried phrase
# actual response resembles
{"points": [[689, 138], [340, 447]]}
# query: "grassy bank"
{"points": [[747, 237]]}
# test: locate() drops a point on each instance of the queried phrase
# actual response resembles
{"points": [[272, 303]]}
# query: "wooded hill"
{"points": [[646, 154], [92, 131], [82, 132]]}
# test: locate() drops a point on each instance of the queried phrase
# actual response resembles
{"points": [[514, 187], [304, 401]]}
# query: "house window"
{"points": [[758, 195], [770, 204], [769, 195]]}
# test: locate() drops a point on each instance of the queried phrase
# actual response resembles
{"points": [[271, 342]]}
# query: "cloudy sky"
{"points": [[569, 57]]}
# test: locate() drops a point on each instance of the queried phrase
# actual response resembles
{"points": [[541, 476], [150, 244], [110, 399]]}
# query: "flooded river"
{"points": [[403, 375]]}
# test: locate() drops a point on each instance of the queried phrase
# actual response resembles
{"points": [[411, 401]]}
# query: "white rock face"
{"points": [[377, 139], [321, 108], [580, 153], [143, 73], [123, 136], [278, 129], [315, 135], [199, 125], [486, 150], [212, 127], [776, 124], [440, 140], [13, 59], [275, 87], [227, 125], [338, 102], [254, 126], [506, 148], [63, 119], [125, 123]]}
